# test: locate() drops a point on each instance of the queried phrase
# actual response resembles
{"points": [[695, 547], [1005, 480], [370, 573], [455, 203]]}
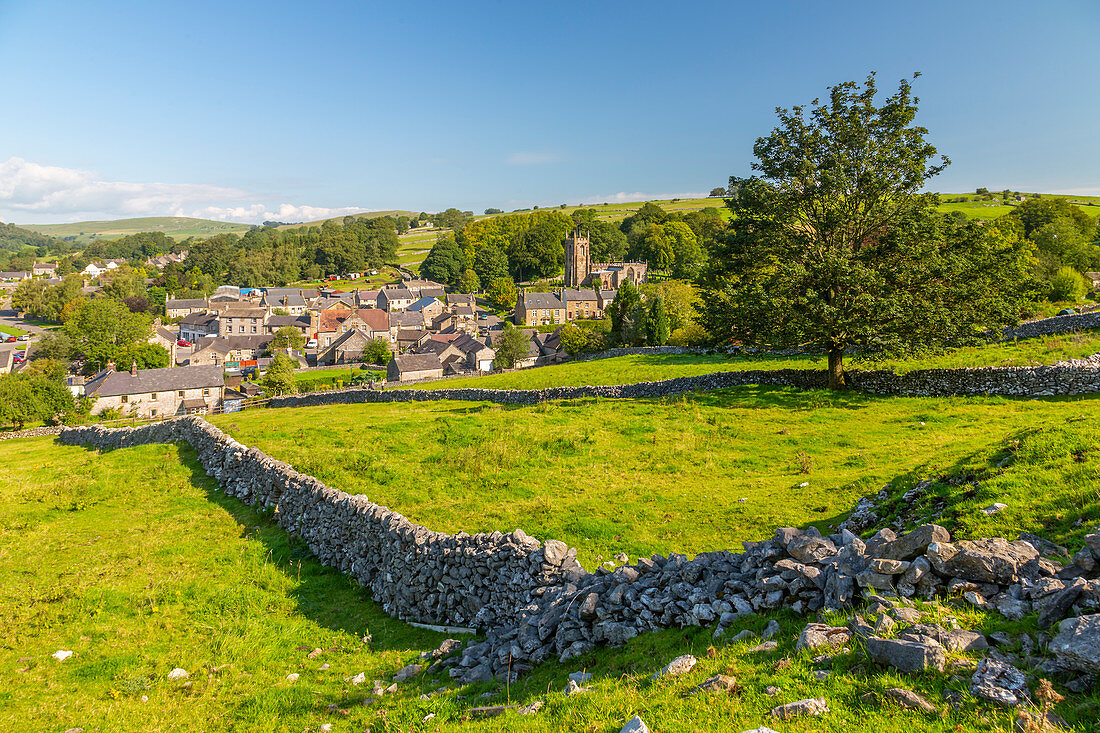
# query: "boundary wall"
{"points": [[1041, 381], [414, 573]]}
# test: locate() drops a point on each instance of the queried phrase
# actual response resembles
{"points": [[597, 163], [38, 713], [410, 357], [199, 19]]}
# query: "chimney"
{"points": [[133, 368], [110, 365]]}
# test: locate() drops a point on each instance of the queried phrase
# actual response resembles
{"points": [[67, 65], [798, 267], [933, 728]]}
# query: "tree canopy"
{"points": [[834, 248]]}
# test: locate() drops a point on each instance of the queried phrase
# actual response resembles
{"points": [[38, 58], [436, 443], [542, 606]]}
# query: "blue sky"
{"points": [[252, 110]]}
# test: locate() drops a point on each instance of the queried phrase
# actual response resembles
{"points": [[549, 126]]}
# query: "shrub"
{"points": [[1067, 284]]}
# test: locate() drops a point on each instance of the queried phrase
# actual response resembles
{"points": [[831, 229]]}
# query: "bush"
{"points": [[1068, 284]]}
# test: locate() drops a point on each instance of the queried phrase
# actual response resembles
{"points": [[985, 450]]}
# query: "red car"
{"points": [[11, 339], [183, 342]]}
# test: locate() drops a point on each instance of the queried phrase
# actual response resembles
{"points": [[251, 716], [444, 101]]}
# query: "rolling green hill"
{"points": [[177, 227]]}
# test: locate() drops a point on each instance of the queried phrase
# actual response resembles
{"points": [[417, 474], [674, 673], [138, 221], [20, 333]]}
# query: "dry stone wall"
{"points": [[414, 573], [1009, 381], [1053, 325]]}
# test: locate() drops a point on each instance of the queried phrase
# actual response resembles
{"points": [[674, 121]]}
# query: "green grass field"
{"points": [[11, 330], [133, 562], [329, 378], [177, 227], [630, 369]]}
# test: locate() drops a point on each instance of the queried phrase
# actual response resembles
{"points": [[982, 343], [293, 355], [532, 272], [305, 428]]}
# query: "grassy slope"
{"points": [[130, 560], [629, 369], [177, 227], [657, 475]]}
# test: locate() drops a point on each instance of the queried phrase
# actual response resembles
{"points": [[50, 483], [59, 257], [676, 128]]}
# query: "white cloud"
{"points": [[33, 193], [622, 197], [531, 158]]}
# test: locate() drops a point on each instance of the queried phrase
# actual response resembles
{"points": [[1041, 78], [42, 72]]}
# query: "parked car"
{"points": [[18, 358], [11, 339], [311, 344], [25, 337], [183, 342]]}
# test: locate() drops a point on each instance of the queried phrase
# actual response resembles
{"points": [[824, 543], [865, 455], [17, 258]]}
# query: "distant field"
{"points": [[364, 215], [177, 227]]}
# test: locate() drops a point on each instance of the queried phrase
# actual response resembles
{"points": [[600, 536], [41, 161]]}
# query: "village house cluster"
{"points": [[215, 342]]}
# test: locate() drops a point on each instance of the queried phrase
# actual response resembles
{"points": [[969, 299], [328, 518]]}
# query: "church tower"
{"points": [[578, 259]]}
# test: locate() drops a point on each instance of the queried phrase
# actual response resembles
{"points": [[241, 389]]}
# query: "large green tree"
{"points": [[834, 248], [104, 329]]}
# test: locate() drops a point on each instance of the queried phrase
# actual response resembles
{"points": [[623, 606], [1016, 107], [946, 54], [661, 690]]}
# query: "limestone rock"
{"points": [[771, 629], [572, 688], [984, 561], [718, 683], [809, 706], [998, 682], [635, 725], [177, 674], [817, 636], [905, 655], [580, 677], [292, 677], [888, 566], [766, 646], [913, 543], [1077, 644], [61, 655], [678, 666], [910, 700], [406, 672]]}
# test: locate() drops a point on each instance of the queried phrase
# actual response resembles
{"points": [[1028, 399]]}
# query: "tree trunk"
{"points": [[836, 369]]}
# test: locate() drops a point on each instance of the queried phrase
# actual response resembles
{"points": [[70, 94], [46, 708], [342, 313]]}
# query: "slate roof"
{"points": [[225, 344], [421, 304], [176, 303], [433, 292], [277, 322], [405, 319], [460, 299], [109, 383], [243, 312], [396, 294], [198, 319], [417, 362], [541, 300], [570, 294]]}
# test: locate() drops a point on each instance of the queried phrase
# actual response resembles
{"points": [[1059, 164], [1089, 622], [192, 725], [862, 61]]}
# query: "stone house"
{"points": [[15, 276], [1093, 279], [190, 390], [408, 340], [347, 348], [217, 350], [581, 304], [395, 299], [180, 307], [241, 320], [428, 307], [198, 325], [404, 322], [539, 309], [604, 299], [477, 355], [405, 367], [454, 299], [44, 268], [293, 304], [274, 323]]}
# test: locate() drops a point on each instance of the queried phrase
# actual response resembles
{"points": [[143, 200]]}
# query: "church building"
{"points": [[580, 271]]}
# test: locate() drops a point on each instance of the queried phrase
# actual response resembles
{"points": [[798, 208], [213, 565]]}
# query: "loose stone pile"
{"points": [[806, 572]]}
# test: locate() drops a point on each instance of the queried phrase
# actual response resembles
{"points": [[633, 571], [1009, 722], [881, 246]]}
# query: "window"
{"points": [[242, 329], [124, 398], [180, 393], [153, 412], [253, 329], [206, 393], [153, 396]]}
